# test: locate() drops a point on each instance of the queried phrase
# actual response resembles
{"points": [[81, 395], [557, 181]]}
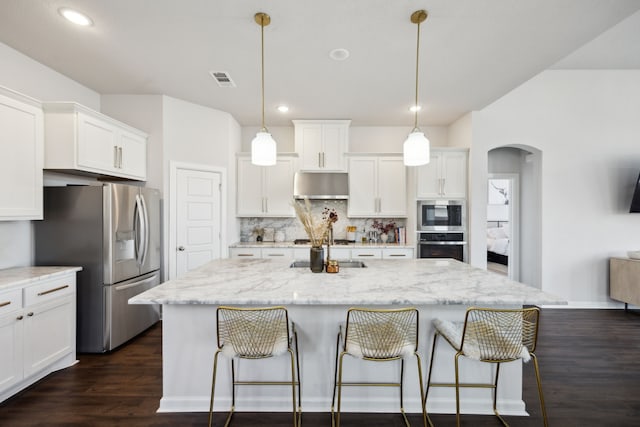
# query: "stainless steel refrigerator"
{"points": [[113, 232]]}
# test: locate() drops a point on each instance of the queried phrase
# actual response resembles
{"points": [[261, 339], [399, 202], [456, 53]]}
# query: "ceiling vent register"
{"points": [[222, 78]]}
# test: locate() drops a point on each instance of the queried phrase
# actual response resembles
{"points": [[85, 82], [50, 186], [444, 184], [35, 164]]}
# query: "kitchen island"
{"points": [[317, 303]]}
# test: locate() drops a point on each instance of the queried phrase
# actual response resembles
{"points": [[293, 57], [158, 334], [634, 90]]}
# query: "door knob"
{"points": [[181, 248]]}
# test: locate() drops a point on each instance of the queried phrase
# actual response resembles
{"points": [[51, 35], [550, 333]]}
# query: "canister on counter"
{"points": [[332, 266]]}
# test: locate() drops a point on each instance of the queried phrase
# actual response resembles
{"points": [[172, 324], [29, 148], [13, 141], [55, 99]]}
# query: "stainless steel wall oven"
{"points": [[442, 245]]}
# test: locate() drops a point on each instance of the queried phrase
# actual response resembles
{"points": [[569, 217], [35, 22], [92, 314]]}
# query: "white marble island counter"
{"points": [[397, 282], [317, 303]]}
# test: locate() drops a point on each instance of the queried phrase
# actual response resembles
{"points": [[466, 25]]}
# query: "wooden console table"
{"points": [[624, 280]]}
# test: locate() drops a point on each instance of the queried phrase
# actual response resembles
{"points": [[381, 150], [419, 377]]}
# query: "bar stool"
{"points": [[381, 336], [492, 336], [256, 333]]}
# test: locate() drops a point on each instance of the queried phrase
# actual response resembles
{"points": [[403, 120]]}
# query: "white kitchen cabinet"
{"points": [[322, 144], [245, 253], [21, 156], [377, 187], [444, 177], [277, 253], [78, 139], [366, 253], [397, 253], [38, 327], [265, 191]]}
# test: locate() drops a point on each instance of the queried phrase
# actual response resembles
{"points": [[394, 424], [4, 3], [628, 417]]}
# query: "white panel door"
{"points": [[198, 218], [362, 187], [97, 145], [392, 187], [279, 188], [250, 196]]}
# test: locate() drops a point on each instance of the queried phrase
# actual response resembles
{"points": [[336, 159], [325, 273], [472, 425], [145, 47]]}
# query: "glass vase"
{"points": [[316, 259]]}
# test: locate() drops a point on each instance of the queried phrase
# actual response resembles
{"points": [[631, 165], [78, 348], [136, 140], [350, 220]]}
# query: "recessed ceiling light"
{"points": [[283, 108], [75, 17], [415, 108], [339, 54]]}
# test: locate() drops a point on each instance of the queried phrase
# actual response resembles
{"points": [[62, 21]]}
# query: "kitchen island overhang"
{"points": [[317, 303]]}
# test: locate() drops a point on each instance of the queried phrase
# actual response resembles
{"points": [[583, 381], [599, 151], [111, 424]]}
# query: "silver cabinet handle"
{"points": [[2, 304], [399, 255], [115, 156], [20, 317], [444, 193], [120, 157], [266, 205], [30, 314], [324, 164], [181, 248], [50, 291], [361, 255], [245, 255], [275, 254]]}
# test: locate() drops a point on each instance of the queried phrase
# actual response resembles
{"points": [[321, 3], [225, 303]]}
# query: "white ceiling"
{"points": [[472, 51]]}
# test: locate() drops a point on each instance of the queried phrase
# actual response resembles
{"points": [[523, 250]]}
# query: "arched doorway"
{"points": [[514, 212]]}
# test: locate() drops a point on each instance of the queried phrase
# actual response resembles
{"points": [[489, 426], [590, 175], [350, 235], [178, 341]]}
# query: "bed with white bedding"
{"points": [[498, 243]]}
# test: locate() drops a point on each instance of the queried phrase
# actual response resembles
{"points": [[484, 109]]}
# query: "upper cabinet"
{"points": [[21, 156], [322, 144], [80, 139], [445, 176], [265, 191], [377, 186]]}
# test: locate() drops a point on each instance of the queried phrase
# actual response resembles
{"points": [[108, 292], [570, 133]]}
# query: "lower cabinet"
{"points": [[37, 332], [336, 252]]}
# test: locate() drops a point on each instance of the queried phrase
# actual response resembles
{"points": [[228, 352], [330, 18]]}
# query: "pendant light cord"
{"points": [[262, 66], [415, 120]]}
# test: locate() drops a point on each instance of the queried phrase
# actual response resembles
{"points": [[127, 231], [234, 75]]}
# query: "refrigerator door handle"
{"points": [[139, 230], [134, 284], [145, 231]]}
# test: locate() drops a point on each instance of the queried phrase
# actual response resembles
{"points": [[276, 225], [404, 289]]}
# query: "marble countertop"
{"points": [[382, 282], [290, 244], [18, 276]]}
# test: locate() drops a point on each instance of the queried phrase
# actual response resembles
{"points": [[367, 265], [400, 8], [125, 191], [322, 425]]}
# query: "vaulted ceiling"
{"points": [[471, 53]]}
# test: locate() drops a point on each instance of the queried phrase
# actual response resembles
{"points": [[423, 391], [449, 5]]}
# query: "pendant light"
{"points": [[416, 146], [263, 147]]}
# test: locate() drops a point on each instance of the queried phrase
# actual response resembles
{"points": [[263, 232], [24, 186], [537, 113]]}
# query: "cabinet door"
{"points": [[397, 253], [392, 187], [277, 253], [21, 160], [454, 175], [250, 201], [428, 177], [97, 145], [334, 138], [308, 140], [49, 333], [362, 187], [133, 155], [278, 190], [11, 343]]}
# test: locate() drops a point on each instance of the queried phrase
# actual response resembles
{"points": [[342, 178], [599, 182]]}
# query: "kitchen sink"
{"points": [[342, 264]]}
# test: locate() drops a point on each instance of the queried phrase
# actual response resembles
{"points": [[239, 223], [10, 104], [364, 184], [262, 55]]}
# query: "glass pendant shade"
{"points": [[416, 149], [263, 149]]}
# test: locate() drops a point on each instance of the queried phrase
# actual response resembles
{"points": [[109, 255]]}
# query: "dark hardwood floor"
{"points": [[589, 360]]}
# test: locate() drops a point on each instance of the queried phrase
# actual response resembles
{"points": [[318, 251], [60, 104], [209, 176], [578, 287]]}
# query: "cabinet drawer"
{"points": [[366, 253], [49, 290], [280, 253], [244, 253], [397, 253], [10, 301]]}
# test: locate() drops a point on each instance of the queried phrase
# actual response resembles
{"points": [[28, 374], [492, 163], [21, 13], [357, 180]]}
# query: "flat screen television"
{"points": [[635, 202]]}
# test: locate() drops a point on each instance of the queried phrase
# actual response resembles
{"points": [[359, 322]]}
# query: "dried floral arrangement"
{"points": [[317, 229], [384, 228]]}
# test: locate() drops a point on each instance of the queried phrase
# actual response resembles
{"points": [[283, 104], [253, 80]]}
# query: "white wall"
{"points": [[585, 123], [23, 74]]}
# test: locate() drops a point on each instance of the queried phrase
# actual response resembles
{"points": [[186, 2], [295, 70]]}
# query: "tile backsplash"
{"points": [[293, 229]]}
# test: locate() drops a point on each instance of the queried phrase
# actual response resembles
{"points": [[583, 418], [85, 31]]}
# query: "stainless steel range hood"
{"points": [[321, 185]]}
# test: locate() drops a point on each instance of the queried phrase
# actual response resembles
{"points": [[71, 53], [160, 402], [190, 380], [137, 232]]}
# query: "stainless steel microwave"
{"points": [[442, 215]]}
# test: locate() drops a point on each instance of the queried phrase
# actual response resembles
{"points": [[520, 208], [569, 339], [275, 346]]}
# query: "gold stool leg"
{"points": [[339, 389], [295, 338], [293, 388], [213, 386], [335, 383], [433, 352], [495, 397], [404, 416], [542, 406], [423, 399], [457, 391]]}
